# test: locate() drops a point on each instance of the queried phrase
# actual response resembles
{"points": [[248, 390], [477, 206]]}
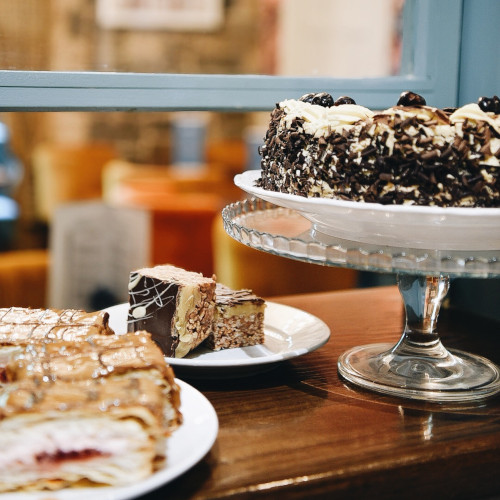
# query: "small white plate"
{"points": [[407, 226], [289, 332], [185, 448]]}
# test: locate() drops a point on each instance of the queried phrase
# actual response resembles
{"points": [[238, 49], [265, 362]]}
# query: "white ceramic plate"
{"points": [[185, 448], [407, 226], [289, 332]]}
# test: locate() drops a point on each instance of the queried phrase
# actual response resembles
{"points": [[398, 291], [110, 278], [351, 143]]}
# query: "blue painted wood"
{"points": [[431, 65], [480, 50], [92, 91], [479, 76]]}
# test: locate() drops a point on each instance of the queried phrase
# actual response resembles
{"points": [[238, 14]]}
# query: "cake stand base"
{"points": [[419, 366], [456, 376]]}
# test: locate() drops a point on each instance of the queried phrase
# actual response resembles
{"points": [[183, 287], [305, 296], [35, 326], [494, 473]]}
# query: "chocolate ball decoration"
{"points": [[408, 98], [322, 99], [344, 100], [489, 104]]}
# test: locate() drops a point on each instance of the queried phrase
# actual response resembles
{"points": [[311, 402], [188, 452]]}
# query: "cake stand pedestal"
{"points": [[418, 366]]}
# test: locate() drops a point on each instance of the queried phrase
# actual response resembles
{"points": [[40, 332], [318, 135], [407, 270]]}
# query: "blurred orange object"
{"points": [[23, 278], [182, 232], [230, 154], [209, 178], [64, 173], [181, 221]]}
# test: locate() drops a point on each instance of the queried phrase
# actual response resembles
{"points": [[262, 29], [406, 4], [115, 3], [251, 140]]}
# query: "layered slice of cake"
{"points": [[176, 306], [79, 409], [105, 431], [238, 319], [132, 355]]}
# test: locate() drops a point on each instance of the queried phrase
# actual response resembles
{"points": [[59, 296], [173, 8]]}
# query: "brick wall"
{"points": [[63, 35]]}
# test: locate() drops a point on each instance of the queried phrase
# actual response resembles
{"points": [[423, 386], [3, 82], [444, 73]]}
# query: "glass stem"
{"points": [[422, 297]]}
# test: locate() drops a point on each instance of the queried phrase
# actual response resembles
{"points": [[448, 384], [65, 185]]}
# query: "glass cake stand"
{"points": [[418, 366]]}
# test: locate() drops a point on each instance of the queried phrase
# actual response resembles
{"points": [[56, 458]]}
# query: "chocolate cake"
{"points": [[238, 319], [411, 153], [174, 305]]}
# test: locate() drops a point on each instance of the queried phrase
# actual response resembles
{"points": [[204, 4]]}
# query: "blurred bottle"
{"points": [[11, 172], [189, 140]]}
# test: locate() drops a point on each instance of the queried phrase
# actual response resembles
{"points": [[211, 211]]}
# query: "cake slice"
{"points": [[105, 431], [79, 405], [238, 319], [20, 326], [176, 306], [23, 315], [132, 355]]}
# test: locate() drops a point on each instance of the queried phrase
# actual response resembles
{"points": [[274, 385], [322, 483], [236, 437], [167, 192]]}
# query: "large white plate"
{"points": [[289, 332], [185, 448], [408, 226]]}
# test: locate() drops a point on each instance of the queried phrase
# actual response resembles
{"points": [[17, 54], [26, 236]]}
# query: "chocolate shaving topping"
{"points": [[400, 161]]}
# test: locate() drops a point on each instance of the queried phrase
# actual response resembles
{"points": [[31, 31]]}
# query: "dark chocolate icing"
{"points": [[158, 300]]}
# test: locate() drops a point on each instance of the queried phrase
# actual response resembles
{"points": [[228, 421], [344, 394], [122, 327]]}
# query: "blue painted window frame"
{"points": [[430, 67]]}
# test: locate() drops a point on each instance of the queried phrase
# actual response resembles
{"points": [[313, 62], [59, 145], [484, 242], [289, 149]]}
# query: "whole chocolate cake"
{"points": [[408, 154]]}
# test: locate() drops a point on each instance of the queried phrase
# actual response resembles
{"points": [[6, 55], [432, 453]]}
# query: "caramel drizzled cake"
{"points": [[238, 319], [22, 316], [21, 326], [176, 306], [85, 410], [408, 154]]}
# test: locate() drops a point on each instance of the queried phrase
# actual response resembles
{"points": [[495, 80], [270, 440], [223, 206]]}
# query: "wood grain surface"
{"points": [[299, 431]]}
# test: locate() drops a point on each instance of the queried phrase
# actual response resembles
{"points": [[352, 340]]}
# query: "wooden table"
{"points": [[299, 431]]}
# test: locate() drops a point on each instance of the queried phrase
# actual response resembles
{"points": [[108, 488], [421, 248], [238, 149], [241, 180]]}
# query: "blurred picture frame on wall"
{"points": [[174, 15]]}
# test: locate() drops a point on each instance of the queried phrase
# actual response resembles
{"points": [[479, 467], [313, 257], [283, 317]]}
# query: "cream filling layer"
{"points": [[119, 451], [188, 297]]}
